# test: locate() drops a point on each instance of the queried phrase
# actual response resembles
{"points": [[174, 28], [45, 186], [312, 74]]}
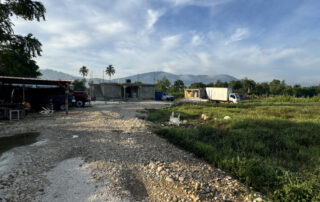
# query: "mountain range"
{"points": [[148, 78]]}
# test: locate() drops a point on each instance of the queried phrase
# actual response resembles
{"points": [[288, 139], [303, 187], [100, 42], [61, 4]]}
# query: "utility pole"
{"points": [[103, 76]]}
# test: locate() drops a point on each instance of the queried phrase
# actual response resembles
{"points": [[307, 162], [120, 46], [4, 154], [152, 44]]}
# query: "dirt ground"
{"points": [[105, 153]]}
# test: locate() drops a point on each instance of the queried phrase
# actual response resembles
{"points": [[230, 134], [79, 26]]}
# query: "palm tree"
{"points": [[84, 71], [110, 71]]}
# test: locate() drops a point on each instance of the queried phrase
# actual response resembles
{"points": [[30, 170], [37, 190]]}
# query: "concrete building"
{"points": [[122, 91]]}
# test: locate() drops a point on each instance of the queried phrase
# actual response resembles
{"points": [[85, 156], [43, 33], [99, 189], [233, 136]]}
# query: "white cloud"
{"points": [[204, 3], [112, 28], [153, 17], [196, 40], [238, 35], [170, 42]]}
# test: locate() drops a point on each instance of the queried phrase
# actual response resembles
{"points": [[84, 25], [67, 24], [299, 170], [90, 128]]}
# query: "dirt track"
{"points": [[105, 153]]}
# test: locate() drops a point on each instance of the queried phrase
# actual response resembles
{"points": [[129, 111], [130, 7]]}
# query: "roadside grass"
{"points": [[273, 147]]}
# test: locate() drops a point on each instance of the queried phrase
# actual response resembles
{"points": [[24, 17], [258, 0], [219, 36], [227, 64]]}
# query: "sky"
{"points": [[258, 39]]}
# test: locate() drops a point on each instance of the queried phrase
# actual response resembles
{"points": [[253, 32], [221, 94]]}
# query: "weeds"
{"points": [[273, 147]]}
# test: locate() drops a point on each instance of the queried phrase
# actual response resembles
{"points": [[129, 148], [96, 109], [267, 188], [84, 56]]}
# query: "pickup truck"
{"points": [[167, 97], [81, 98]]}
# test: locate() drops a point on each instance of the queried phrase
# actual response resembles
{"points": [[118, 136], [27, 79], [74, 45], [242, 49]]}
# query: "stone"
{"points": [[194, 197], [259, 199], [196, 186], [169, 179], [152, 165]]}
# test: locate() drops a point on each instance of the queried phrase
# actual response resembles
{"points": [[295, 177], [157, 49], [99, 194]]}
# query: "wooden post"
{"points": [[67, 100], [23, 94]]}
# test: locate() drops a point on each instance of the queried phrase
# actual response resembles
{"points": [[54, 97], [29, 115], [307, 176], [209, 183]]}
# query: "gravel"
{"points": [[106, 153]]}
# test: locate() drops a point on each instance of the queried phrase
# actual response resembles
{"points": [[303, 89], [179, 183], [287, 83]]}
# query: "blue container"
{"points": [[158, 95]]}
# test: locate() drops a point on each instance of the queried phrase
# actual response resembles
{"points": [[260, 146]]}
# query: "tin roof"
{"points": [[34, 81]]}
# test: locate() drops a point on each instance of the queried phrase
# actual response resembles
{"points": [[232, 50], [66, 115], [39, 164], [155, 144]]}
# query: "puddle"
{"points": [[7, 143]]}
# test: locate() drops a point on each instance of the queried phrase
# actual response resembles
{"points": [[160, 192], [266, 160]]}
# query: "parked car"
{"points": [[167, 97], [81, 98]]}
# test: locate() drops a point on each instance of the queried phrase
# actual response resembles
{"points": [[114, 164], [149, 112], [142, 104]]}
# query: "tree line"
{"points": [[249, 86]]}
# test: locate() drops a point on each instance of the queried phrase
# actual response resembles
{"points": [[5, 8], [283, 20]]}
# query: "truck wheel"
{"points": [[79, 103]]}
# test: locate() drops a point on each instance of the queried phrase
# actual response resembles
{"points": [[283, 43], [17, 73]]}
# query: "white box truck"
{"points": [[222, 95]]}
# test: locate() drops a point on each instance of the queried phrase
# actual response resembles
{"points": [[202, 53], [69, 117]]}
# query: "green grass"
{"points": [[272, 146]]}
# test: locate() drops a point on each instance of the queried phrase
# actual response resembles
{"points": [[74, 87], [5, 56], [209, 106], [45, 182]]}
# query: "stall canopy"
{"points": [[26, 82], [32, 81]]}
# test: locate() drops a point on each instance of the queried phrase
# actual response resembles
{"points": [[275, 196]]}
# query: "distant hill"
{"points": [[152, 77], [148, 78], [56, 75]]}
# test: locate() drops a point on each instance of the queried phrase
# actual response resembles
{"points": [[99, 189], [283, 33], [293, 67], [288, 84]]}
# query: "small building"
{"points": [[198, 93], [122, 91]]}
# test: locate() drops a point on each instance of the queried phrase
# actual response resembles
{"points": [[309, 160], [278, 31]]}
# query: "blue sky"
{"points": [[258, 39]]}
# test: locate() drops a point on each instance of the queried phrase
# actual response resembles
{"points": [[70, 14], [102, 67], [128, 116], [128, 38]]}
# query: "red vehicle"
{"points": [[81, 97]]}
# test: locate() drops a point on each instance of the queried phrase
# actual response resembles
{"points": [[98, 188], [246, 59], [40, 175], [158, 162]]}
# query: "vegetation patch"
{"points": [[273, 147]]}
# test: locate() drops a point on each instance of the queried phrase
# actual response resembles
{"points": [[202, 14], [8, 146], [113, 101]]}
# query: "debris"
{"points": [[184, 122], [46, 111], [227, 117], [174, 120], [75, 136], [204, 117]]}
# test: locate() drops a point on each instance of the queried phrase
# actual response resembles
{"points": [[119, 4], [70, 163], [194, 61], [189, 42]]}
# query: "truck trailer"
{"points": [[222, 95]]}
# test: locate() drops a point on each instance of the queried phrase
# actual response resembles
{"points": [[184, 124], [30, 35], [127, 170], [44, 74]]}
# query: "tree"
{"points": [[16, 51], [235, 85], [163, 85], [211, 84], [248, 84], [197, 85], [79, 85], [178, 85], [84, 71], [110, 71], [262, 89], [277, 87]]}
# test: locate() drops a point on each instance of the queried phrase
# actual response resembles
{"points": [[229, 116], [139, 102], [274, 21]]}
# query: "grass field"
{"points": [[272, 144]]}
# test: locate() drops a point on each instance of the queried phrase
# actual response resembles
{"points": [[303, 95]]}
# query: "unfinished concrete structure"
{"points": [[198, 93], [122, 91]]}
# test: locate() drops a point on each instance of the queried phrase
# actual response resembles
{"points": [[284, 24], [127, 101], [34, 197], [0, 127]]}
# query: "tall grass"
{"points": [[274, 148], [291, 99]]}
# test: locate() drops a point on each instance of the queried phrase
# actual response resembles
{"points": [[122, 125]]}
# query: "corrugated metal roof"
{"points": [[35, 81]]}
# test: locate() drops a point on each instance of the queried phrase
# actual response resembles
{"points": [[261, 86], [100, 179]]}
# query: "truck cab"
{"points": [[167, 97], [234, 98], [81, 98]]}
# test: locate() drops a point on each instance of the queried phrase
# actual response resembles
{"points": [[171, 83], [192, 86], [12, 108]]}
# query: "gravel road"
{"points": [[106, 153]]}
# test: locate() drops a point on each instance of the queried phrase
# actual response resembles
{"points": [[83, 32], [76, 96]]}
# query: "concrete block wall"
{"points": [[147, 92], [111, 91]]}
